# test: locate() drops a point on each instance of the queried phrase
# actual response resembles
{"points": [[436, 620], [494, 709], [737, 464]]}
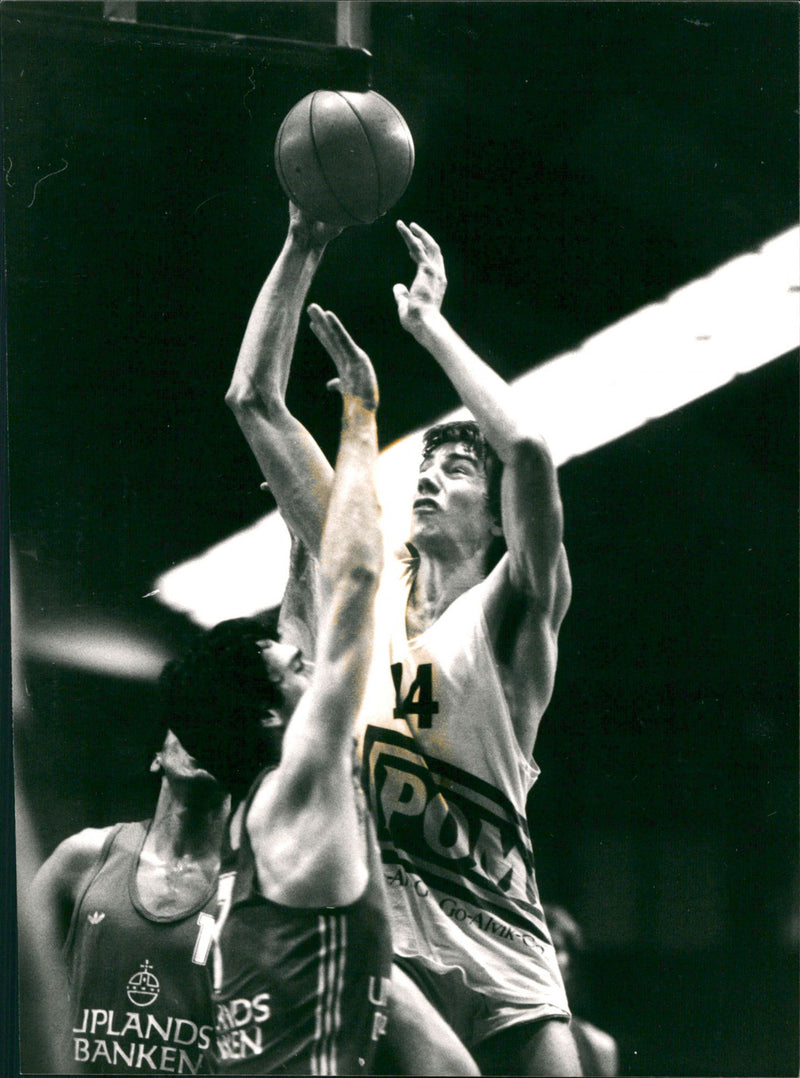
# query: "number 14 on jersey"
{"points": [[419, 699]]}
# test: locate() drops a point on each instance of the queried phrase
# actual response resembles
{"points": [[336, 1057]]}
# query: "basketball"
{"points": [[344, 158]]}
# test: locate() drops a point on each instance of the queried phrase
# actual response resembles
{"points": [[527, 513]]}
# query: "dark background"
{"points": [[576, 161]]}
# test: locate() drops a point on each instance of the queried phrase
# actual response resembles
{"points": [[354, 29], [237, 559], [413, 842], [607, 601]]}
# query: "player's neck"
{"points": [[438, 583], [179, 861], [184, 824]]}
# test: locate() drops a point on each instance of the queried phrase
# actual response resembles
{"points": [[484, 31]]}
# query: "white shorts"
{"points": [[474, 1016]]}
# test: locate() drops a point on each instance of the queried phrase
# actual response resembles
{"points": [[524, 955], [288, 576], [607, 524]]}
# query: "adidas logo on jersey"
{"points": [[95, 918]]}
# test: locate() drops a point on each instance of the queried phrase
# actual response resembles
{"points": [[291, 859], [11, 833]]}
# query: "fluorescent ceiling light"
{"points": [[107, 650], [736, 319]]}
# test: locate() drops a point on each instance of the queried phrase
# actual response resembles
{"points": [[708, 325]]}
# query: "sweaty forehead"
{"points": [[450, 451]]}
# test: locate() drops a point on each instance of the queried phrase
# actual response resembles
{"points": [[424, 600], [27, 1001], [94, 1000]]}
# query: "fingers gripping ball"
{"points": [[344, 158]]}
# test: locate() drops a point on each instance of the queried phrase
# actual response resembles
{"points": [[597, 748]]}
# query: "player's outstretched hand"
{"points": [[310, 232], [356, 373], [428, 287]]}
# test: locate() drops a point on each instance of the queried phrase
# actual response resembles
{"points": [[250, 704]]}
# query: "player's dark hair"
{"points": [[214, 698], [468, 433]]}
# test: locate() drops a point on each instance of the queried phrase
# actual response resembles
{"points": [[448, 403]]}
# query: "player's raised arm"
{"points": [[534, 535], [352, 546], [303, 821], [292, 463]]}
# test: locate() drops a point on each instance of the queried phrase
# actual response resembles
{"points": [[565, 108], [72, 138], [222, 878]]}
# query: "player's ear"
{"points": [[497, 528], [155, 766]]}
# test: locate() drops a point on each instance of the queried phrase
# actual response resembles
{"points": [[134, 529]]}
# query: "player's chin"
{"points": [[423, 527], [202, 779]]}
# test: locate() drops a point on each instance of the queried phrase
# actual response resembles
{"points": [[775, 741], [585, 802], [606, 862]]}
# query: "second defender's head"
{"points": [[457, 505], [567, 939], [228, 699]]}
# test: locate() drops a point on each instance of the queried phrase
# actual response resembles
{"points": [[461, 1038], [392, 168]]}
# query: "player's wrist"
{"points": [[312, 235], [304, 239], [359, 408], [428, 326]]}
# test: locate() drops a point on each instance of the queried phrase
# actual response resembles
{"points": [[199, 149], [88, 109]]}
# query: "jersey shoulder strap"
{"points": [[91, 876]]}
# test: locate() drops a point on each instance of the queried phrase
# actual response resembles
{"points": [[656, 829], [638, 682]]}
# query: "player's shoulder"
{"points": [[78, 852], [598, 1036], [61, 875], [90, 840], [602, 1044]]}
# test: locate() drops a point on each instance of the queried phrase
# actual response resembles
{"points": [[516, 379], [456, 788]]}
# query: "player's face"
{"points": [[562, 953], [451, 506], [289, 670]]}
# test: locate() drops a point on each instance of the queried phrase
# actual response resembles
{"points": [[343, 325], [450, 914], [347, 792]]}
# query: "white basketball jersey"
{"points": [[448, 784]]}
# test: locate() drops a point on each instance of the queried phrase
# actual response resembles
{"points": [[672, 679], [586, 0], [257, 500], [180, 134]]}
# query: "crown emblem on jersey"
{"points": [[143, 987], [96, 917]]}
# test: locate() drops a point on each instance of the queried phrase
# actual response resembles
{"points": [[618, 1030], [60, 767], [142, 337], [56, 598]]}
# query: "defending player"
{"points": [[464, 666], [598, 1049], [131, 910], [302, 957]]}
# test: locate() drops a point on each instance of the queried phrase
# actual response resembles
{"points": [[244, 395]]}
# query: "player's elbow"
{"points": [[363, 575], [370, 562], [354, 585], [531, 454], [248, 403], [367, 575], [241, 397]]}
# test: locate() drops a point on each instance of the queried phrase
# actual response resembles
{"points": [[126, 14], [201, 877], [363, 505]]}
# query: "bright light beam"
{"points": [[109, 649], [739, 317]]}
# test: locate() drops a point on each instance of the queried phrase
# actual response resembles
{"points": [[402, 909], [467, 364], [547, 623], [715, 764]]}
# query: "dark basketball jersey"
{"points": [[298, 991], [139, 989]]}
